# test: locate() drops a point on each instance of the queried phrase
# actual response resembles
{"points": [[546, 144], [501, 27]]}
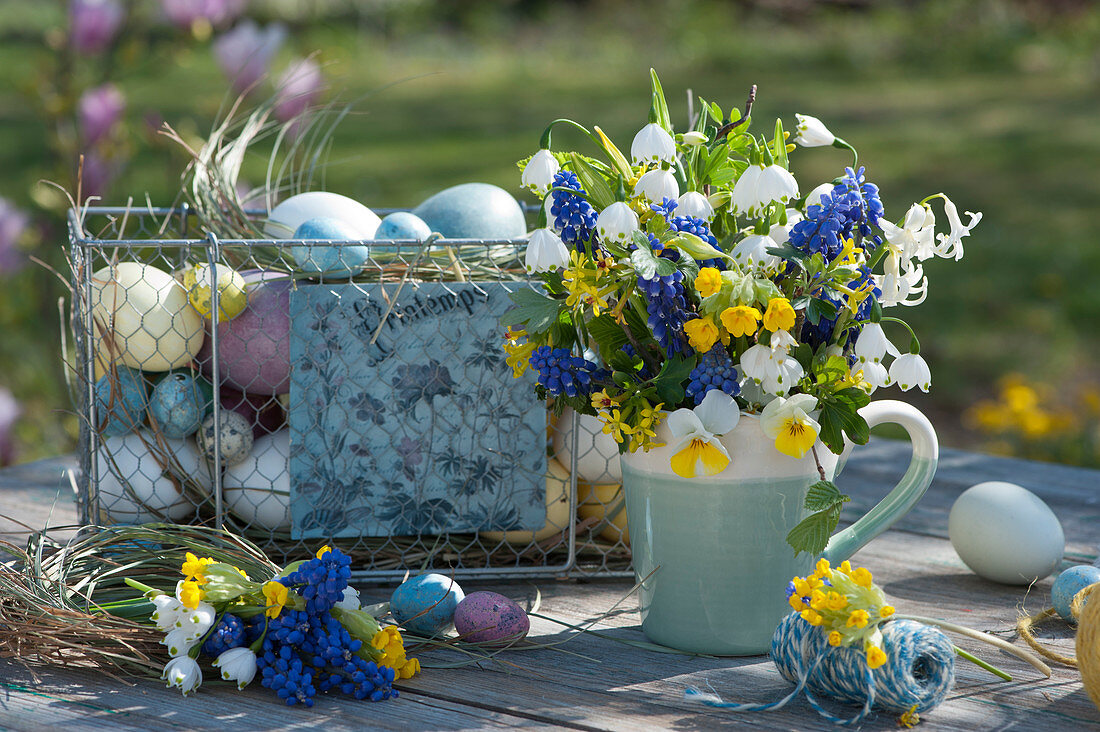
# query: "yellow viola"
{"points": [[696, 448], [790, 424]]}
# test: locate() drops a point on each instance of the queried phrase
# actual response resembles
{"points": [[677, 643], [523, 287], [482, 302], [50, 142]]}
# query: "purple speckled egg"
{"points": [[488, 617], [254, 347], [264, 413]]}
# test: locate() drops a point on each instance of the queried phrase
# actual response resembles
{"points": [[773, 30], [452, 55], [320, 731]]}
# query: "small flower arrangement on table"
{"points": [[697, 280]]}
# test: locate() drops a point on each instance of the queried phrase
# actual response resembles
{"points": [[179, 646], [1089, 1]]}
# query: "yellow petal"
{"points": [[713, 460], [683, 463], [795, 438]]}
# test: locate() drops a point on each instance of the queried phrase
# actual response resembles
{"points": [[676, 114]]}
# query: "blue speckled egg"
{"points": [[177, 405], [433, 595], [403, 225], [120, 402], [489, 617], [331, 261], [1068, 584], [235, 437], [473, 211]]}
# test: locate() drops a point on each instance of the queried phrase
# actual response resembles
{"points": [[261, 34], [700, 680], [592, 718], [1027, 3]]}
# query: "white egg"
{"points": [[597, 453], [1006, 533], [557, 510], [257, 489], [296, 210], [152, 325], [132, 485]]}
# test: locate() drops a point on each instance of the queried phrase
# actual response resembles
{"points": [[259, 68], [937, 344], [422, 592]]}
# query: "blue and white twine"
{"points": [[919, 671]]}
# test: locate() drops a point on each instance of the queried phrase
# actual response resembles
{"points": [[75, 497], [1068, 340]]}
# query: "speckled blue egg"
{"points": [[120, 401], [1068, 584], [177, 405], [474, 211], [489, 617], [433, 595], [330, 261], [403, 225]]}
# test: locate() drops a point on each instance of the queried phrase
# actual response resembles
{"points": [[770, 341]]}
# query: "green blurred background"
{"points": [[994, 103]]}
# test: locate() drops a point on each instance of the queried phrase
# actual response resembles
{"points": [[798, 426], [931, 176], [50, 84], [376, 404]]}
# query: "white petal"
{"points": [[653, 144], [806, 402], [771, 419], [812, 132], [782, 341], [685, 424], [538, 174], [814, 197], [718, 412], [695, 204], [617, 222], [745, 200], [776, 184], [657, 185], [545, 252]]}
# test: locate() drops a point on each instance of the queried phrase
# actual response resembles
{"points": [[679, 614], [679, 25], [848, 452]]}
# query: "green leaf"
{"points": [[817, 309], [599, 192], [670, 381], [608, 334], [657, 225], [538, 311], [780, 145], [660, 106], [839, 416], [786, 251], [812, 533], [646, 263], [824, 495], [695, 247], [718, 156]]}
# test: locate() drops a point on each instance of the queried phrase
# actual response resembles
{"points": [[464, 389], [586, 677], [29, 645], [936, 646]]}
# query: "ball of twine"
{"points": [[1088, 641]]}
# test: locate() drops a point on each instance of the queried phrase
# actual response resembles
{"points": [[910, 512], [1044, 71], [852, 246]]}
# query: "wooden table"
{"points": [[603, 684]]}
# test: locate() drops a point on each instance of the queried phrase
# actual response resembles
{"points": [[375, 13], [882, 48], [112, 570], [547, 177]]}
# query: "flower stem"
{"points": [[979, 662], [978, 635]]}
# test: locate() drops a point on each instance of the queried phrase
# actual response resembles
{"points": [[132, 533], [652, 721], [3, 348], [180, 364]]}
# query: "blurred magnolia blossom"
{"points": [[98, 174], [298, 88], [187, 14], [93, 24], [245, 52], [13, 222], [98, 110], [9, 413]]}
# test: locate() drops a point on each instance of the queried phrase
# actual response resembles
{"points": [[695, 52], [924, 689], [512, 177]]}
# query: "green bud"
{"points": [[224, 582]]}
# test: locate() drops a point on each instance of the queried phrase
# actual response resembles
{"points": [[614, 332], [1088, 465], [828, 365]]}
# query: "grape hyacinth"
{"points": [[847, 213], [715, 370], [563, 373], [667, 310], [230, 633], [664, 208], [815, 335], [700, 228], [324, 578], [573, 216]]}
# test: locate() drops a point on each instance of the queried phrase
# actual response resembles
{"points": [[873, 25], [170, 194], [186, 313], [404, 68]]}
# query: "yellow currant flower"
{"points": [[708, 282], [602, 400], [702, 333], [276, 594], [614, 424], [779, 315], [519, 353], [858, 619], [875, 656], [741, 320], [193, 567], [789, 423]]}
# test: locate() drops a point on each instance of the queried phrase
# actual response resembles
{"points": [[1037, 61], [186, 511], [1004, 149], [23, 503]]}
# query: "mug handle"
{"points": [[922, 467]]}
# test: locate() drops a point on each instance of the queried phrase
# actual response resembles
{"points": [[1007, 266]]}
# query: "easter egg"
{"points": [[403, 225], [265, 413], [131, 480], [488, 617], [425, 604], [228, 283], [254, 347], [120, 401], [596, 502], [558, 517], [146, 315], [177, 405], [597, 453], [285, 218], [327, 259], [257, 489], [1005, 533], [1068, 584], [473, 211], [234, 436]]}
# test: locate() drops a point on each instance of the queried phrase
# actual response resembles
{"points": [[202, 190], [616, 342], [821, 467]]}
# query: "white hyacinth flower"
{"points": [[694, 203], [901, 286], [694, 138], [617, 223], [538, 174], [183, 673], [911, 370], [751, 253], [653, 144], [914, 238], [814, 196], [349, 600], [545, 252], [872, 345], [239, 664], [657, 185], [950, 245], [758, 187], [812, 132]]}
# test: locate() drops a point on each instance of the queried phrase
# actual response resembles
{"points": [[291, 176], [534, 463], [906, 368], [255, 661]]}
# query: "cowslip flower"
{"points": [[751, 253], [538, 174], [657, 185], [237, 664], [759, 187], [98, 111], [299, 86], [193, 567], [617, 223], [950, 245], [779, 315], [791, 424], [694, 203], [911, 370], [244, 53], [708, 281], [653, 144], [702, 333], [93, 24], [276, 595], [695, 432], [189, 594], [741, 320], [873, 345], [545, 252], [183, 672], [812, 132]]}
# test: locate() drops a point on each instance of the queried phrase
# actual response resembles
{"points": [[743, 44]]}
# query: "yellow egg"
{"points": [[143, 318], [232, 298], [557, 510], [596, 501]]}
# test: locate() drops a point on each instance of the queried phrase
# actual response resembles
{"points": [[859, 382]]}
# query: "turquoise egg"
{"points": [[474, 211], [1068, 584], [120, 401], [425, 604], [177, 405], [403, 225], [328, 260]]}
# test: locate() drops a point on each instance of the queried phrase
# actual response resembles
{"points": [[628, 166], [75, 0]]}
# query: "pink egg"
{"points": [[254, 347], [488, 617], [263, 412]]}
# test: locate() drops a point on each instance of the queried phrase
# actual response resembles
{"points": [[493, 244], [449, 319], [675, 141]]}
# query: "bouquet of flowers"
{"points": [[694, 281]]}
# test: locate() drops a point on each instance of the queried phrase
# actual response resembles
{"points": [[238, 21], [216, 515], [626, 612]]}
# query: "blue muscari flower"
{"points": [[699, 227], [230, 633], [322, 580], [563, 373], [667, 311], [848, 212], [815, 335], [715, 370], [664, 208], [574, 217]]}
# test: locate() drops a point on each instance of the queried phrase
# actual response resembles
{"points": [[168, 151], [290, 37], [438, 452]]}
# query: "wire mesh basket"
{"points": [[184, 419]]}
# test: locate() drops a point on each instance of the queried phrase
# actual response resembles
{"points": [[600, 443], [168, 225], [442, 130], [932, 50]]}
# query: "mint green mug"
{"points": [[712, 552]]}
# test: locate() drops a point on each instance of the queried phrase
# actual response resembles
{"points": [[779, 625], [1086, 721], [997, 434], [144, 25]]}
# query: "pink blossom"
{"points": [[99, 110], [244, 53], [98, 174], [9, 413], [298, 88], [93, 24], [184, 13], [13, 222]]}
